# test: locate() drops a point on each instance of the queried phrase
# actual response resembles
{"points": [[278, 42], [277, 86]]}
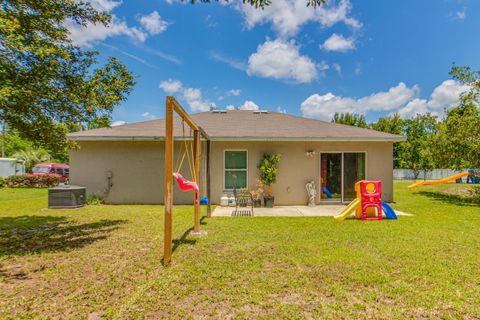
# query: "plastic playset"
{"points": [[368, 204]]}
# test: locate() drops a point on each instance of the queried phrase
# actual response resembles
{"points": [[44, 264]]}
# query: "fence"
{"points": [[436, 174]]}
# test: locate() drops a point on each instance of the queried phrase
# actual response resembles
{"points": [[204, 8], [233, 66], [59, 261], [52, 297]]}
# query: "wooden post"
{"points": [[168, 188], [196, 156], [209, 208]]}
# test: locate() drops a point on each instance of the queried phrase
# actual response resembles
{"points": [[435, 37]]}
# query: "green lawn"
{"points": [[104, 261]]}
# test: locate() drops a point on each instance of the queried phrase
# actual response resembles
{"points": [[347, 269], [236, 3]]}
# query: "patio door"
{"points": [[339, 171], [331, 176]]}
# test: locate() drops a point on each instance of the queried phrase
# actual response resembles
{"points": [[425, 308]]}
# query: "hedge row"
{"points": [[30, 181]]}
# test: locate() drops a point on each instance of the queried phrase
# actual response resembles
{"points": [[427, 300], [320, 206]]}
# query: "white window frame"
{"points": [[246, 169], [343, 173]]}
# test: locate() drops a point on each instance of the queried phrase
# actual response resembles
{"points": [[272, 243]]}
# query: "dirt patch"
{"points": [[276, 265]]}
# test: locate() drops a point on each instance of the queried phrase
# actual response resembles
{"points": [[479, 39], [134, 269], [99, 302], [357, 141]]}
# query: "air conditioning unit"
{"points": [[67, 197]]}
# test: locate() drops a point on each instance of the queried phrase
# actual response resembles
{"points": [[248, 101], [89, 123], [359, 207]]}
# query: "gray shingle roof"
{"points": [[241, 125]]}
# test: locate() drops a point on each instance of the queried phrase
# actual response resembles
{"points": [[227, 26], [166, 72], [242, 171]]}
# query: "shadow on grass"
{"points": [[182, 240], [450, 198], [35, 234]]}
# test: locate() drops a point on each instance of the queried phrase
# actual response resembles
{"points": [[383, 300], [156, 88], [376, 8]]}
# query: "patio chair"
{"points": [[243, 199]]}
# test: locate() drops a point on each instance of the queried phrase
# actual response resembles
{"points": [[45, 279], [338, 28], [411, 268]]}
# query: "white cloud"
{"points": [[234, 92], [279, 59], [460, 14], [161, 54], [281, 110], [338, 43], [117, 123], [153, 23], [93, 33], [105, 5], [234, 63], [209, 22], [170, 86], [401, 99], [444, 96], [148, 115], [193, 96], [248, 105], [358, 69], [337, 68], [287, 16], [128, 54], [324, 106]]}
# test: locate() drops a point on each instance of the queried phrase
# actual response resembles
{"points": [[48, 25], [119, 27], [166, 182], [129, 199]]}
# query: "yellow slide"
{"points": [[441, 181], [348, 211]]}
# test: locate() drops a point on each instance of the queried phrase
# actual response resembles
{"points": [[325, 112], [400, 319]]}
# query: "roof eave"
{"points": [[161, 138]]}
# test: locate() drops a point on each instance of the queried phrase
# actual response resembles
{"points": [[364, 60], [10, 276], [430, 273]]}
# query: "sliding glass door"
{"points": [[353, 171], [331, 176], [339, 171]]}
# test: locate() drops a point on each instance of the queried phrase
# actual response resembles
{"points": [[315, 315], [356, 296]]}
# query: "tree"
{"points": [[458, 141], [47, 82], [32, 156], [351, 119], [418, 150], [263, 3], [392, 124]]}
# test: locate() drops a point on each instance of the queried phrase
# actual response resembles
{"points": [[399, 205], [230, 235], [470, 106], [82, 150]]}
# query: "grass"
{"points": [[104, 261]]}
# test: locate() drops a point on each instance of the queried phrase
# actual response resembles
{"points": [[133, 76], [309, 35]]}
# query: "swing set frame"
{"points": [[172, 106]]}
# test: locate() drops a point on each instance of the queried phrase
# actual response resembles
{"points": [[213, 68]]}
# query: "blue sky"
{"points": [[370, 57]]}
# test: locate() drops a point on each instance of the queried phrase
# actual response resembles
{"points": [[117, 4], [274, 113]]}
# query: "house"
{"points": [[124, 164]]}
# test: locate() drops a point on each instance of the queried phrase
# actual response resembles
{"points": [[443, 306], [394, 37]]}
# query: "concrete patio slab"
{"points": [[289, 211]]}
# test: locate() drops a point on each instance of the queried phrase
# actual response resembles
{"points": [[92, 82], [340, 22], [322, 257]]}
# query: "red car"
{"points": [[60, 169]]}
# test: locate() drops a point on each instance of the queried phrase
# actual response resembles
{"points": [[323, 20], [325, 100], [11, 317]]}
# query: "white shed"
{"points": [[11, 167]]}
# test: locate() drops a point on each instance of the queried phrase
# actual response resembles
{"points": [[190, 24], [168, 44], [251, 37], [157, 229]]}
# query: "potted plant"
{"points": [[257, 194], [268, 176]]}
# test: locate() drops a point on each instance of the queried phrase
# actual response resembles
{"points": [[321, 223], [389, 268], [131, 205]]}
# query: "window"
{"points": [[52, 170], [59, 171], [235, 170], [66, 171], [40, 170]]}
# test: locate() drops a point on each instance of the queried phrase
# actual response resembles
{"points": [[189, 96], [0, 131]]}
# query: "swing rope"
{"points": [[187, 152]]}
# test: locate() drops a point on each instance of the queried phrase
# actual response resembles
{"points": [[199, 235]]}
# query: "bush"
{"points": [[475, 194], [268, 170], [93, 199], [31, 181], [2, 182]]}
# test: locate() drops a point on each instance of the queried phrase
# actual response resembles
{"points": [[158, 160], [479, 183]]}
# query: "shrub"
{"points": [[93, 199], [17, 182], [2, 182], [268, 170], [475, 194], [31, 181]]}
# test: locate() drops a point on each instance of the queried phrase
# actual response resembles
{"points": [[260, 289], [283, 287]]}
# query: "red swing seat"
{"points": [[186, 185]]}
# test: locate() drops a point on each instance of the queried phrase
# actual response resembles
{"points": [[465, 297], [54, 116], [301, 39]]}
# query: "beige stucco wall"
{"points": [[137, 168], [296, 169]]}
